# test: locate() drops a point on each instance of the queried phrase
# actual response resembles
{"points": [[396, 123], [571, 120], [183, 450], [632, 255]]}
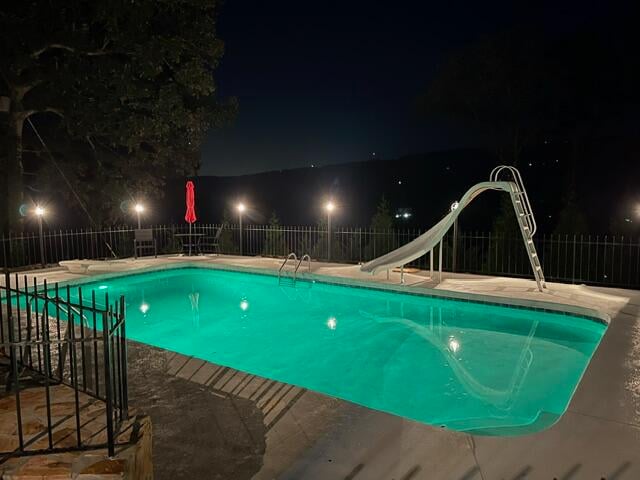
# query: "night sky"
{"points": [[332, 82]]}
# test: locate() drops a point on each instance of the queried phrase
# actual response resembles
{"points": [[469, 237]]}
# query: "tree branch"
{"points": [[27, 113], [90, 53]]}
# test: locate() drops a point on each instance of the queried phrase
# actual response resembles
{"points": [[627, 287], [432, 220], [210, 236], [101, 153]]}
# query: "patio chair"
{"points": [[144, 240], [212, 243]]}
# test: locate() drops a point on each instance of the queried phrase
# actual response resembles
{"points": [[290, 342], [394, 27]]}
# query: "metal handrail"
{"points": [[305, 256], [48, 299], [526, 204], [290, 256]]}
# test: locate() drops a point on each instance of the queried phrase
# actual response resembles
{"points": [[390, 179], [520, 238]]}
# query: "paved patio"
{"points": [[273, 430]]}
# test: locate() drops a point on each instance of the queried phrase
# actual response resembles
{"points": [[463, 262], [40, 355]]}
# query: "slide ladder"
{"points": [[524, 215]]}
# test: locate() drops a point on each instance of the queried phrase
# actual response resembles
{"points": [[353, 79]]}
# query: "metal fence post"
{"points": [[107, 382]]}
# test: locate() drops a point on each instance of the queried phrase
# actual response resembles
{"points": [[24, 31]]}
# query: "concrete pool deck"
{"points": [[242, 426]]}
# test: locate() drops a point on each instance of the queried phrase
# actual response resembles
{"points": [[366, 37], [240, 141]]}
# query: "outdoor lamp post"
{"points": [[330, 207], [139, 208], [241, 209], [39, 211]]}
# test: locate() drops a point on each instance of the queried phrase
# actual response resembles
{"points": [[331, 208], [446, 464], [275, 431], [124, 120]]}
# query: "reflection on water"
{"points": [[436, 334], [194, 300]]}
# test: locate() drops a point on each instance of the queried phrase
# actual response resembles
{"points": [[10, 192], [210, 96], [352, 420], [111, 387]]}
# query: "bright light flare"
{"points": [[454, 345], [144, 308], [332, 323], [39, 211], [330, 207], [244, 305], [139, 208], [454, 206], [241, 207]]}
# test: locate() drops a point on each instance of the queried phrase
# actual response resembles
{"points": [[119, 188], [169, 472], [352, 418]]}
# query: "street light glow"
{"points": [[39, 211], [241, 207], [330, 206], [139, 208]]}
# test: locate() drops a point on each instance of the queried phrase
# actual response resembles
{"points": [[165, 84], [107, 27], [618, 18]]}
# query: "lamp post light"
{"points": [[241, 208], [329, 207], [39, 211], [139, 208]]}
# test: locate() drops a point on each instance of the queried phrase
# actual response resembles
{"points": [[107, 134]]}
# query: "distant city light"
{"points": [[403, 213], [454, 345], [144, 308], [102, 287], [39, 211], [399, 182], [241, 207], [244, 305], [332, 323], [139, 208]]}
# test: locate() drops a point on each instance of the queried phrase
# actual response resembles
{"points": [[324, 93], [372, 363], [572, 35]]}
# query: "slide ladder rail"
{"points": [[526, 210], [526, 219]]}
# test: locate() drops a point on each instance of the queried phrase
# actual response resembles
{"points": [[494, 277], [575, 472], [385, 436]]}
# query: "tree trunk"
{"points": [[13, 175]]}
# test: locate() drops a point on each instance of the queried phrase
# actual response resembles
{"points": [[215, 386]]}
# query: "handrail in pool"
{"points": [[290, 256], [308, 258]]}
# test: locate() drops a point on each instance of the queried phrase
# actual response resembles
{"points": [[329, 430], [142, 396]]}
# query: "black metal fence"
{"points": [[53, 337], [591, 259]]}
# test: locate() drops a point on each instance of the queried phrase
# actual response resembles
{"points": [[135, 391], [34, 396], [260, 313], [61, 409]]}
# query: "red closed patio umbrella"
{"points": [[190, 215]]}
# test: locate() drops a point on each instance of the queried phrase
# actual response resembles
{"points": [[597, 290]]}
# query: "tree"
{"points": [[130, 85], [383, 239], [571, 219], [495, 85], [274, 244], [382, 219], [228, 242]]}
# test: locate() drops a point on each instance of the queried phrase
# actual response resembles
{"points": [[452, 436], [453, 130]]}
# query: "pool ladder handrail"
{"points": [[308, 258], [289, 257]]}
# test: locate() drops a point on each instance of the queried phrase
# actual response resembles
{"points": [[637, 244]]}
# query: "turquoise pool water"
{"points": [[466, 366]]}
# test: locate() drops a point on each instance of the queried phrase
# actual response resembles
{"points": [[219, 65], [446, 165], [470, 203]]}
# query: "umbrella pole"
{"points": [[189, 239]]}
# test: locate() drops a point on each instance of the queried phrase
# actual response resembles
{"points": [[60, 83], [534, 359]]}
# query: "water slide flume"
{"points": [[426, 242]]}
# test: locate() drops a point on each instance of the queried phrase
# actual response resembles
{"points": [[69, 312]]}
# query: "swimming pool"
{"points": [[466, 366]]}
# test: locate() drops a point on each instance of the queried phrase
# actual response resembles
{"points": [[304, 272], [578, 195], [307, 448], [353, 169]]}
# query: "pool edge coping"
{"points": [[495, 300]]}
